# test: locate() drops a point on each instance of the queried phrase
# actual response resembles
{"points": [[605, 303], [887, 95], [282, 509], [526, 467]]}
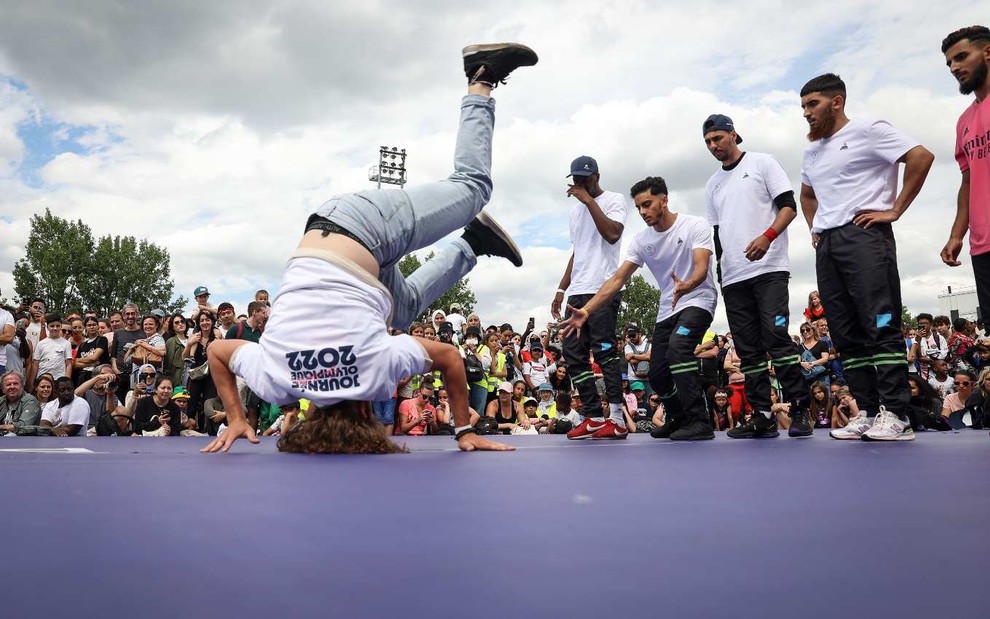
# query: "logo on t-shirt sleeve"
{"points": [[328, 369]]}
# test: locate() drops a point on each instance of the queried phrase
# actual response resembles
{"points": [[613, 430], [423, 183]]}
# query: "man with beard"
{"points": [[967, 54], [849, 198], [750, 204]]}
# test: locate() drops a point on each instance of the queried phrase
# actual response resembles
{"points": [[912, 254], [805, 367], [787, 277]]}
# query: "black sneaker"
{"points": [[758, 426], [694, 431], [487, 238], [800, 425], [665, 430], [491, 63]]}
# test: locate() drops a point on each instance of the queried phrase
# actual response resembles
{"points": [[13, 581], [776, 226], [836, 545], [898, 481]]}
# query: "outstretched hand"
{"points": [[681, 288], [235, 430], [473, 442], [573, 324]]}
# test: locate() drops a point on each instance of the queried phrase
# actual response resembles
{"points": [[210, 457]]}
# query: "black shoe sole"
{"points": [[756, 436], [487, 221], [801, 435], [495, 47]]}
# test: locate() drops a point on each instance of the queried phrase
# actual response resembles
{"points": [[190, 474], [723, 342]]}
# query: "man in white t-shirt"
{"points": [[596, 225], [52, 355], [67, 414], [637, 353], [750, 204], [457, 320], [327, 338], [677, 248], [849, 198]]}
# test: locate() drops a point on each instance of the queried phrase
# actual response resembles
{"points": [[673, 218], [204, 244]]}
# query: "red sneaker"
{"points": [[586, 428], [610, 431]]}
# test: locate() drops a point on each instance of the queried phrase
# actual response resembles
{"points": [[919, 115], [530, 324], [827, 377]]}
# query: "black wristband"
{"points": [[458, 436]]}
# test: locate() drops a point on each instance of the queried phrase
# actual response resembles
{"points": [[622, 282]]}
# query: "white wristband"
{"points": [[460, 429], [561, 291]]}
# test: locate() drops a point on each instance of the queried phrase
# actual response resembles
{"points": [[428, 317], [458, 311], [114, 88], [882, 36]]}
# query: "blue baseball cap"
{"points": [[719, 122], [584, 166]]}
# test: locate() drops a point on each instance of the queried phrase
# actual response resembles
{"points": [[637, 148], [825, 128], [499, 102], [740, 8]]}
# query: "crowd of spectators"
{"points": [[147, 375]]}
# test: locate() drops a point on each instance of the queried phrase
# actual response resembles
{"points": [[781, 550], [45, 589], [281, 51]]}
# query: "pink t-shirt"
{"points": [[973, 154], [408, 411]]}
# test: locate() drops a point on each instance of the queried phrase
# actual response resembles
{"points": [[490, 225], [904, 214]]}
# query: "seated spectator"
{"points": [[980, 358], [722, 418], [507, 412], [445, 419], [144, 387], [180, 396], [18, 408], [652, 417], [545, 404], [99, 392], [44, 389], [814, 311], [415, 415], [568, 405], [290, 413], [560, 380], [638, 389], [963, 381], [820, 406], [158, 415], [939, 378], [736, 387], [519, 391], [66, 415], [845, 409], [925, 406]]}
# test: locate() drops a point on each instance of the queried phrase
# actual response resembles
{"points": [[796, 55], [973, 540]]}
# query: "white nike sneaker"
{"points": [[854, 429], [889, 427]]}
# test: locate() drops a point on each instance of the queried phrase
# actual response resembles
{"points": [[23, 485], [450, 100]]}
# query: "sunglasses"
{"points": [[147, 376], [964, 383], [805, 330], [178, 322]]}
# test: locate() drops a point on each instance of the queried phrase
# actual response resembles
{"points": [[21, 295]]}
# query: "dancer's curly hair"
{"points": [[342, 428]]}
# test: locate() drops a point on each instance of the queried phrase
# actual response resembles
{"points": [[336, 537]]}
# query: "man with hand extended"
{"points": [[677, 248]]}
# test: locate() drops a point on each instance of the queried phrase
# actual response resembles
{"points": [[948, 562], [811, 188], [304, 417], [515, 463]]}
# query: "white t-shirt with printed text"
{"points": [[740, 203], [6, 318], [595, 259], [75, 413], [854, 170], [51, 354], [326, 339], [673, 250]]}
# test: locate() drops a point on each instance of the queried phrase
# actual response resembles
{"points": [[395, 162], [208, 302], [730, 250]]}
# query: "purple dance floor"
{"points": [[149, 527]]}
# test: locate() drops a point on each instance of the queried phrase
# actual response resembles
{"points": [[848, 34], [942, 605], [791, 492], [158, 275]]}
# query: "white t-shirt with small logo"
{"points": [[75, 413], [6, 318], [854, 170], [51, 354], [673, 250], [595, 259], [326, 340], [740, 203]]}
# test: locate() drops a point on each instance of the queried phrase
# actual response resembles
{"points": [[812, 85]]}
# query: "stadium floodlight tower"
{"points": [[391, 168]]}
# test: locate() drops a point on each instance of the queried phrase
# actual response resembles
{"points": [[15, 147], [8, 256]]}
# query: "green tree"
{"points": [[906, 318], [458, 293], [72, 272], [640, 304]]}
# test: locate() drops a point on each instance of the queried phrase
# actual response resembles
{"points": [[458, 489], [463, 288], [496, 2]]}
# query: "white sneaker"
{"points": [[854, 429], [889, 427]]}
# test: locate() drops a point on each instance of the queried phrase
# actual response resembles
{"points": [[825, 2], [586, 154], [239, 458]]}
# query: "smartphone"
{"points": [[532, 322]]}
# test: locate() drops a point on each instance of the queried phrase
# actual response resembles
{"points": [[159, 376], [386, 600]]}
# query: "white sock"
{"points": [[615, 414], [767, 414]]}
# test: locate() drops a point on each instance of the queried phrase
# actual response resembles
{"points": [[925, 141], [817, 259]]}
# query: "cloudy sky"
{"points": [[215, 128]]}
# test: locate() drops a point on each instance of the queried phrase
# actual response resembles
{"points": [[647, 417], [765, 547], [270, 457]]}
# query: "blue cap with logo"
{"points": [[201, 290], [584, 166], [719, 122]]}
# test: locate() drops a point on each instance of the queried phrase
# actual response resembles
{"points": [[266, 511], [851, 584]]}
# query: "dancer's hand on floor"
{"points": [[235, 430], [474, 442]]}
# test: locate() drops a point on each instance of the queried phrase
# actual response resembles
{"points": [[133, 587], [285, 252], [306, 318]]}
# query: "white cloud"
{"points": [[215, 132]]}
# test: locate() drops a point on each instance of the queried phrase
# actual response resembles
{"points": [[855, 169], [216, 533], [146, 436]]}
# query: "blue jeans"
{"points": [[385, 411], [478, 395], [393, 223]]}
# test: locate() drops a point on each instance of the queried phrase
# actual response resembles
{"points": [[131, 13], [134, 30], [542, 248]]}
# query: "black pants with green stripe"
{"points": [[674, 372], [861, 292], [597, 337], [757, 309]]}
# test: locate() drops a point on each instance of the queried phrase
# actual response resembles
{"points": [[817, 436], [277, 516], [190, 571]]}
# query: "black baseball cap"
{"points": [[719, 122], [584, 166]]}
